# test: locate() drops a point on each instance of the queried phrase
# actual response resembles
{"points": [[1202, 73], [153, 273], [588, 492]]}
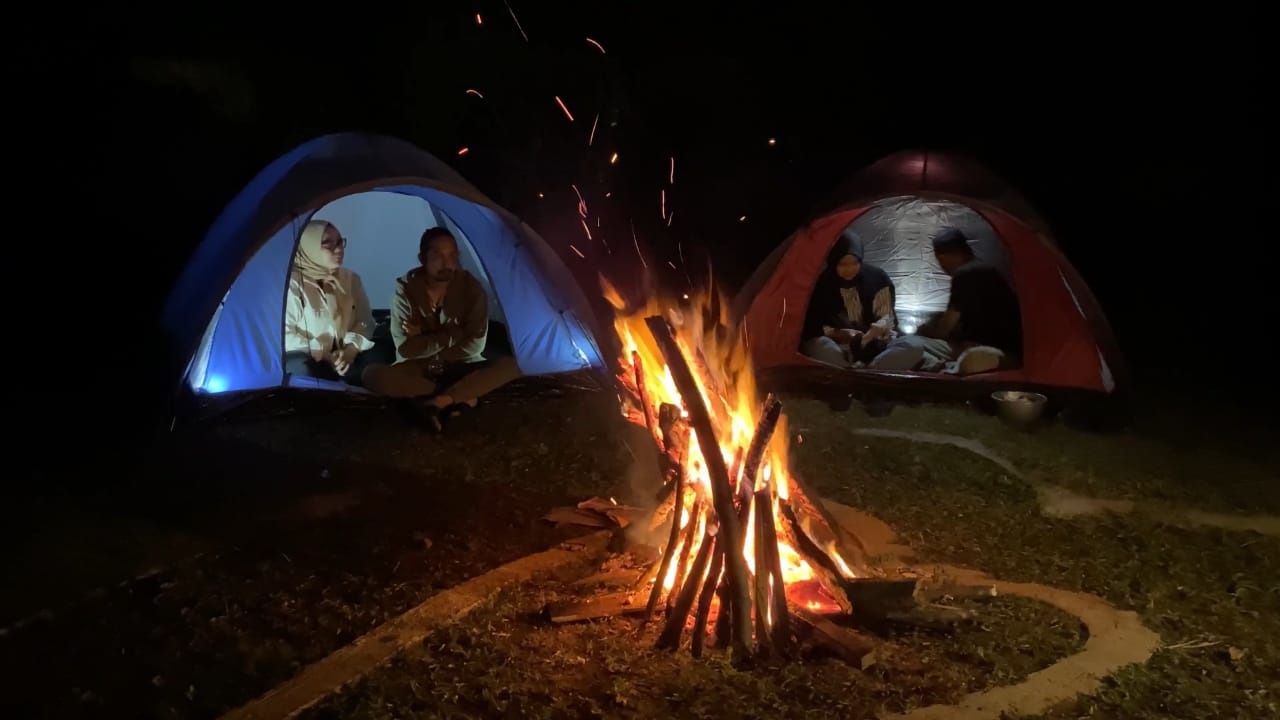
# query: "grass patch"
{"points": [[323, 534], [504, 662], [1199, 586], [1204, 470]]}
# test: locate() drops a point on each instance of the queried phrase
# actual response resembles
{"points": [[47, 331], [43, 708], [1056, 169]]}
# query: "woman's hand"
{"points": [[342, 359], [410, 328], [845, 336]]}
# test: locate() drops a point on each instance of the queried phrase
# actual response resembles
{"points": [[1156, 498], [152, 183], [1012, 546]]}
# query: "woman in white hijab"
{"points": [[328, 324]]}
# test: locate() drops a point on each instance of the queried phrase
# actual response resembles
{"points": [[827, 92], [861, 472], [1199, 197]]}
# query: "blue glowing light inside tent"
{"points": [[215, 384]]}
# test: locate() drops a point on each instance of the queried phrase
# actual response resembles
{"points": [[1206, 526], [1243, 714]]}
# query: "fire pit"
{"points": [[751, 558]]}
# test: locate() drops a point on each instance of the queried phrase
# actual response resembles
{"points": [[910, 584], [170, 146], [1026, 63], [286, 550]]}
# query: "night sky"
{"points": [[1136, 135]]}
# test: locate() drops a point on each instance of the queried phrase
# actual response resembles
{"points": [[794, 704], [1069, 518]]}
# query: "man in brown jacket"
{"points": [[440, 322]]}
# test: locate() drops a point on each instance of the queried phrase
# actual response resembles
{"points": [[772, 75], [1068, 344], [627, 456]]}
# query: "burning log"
{"points": [[670, 637], [645, 406], [898, 601], [700, 421], [848, 644], [682, 565], [824, 570], [724, 621], [769, 567], [669, 553], [818, 526], [730, 498], [704, 600], [770, 603], [877, 597], [674, 432]]}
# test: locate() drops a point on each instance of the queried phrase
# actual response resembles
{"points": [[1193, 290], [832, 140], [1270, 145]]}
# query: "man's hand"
{"points": [[410, 328], [845, 336], [872, 334], [342, 359]]}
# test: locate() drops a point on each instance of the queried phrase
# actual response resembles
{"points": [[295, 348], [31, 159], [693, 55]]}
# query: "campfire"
{"points": [[749, 558]]}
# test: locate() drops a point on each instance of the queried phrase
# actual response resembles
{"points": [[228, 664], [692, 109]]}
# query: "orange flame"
{"points": [[723, 374]]}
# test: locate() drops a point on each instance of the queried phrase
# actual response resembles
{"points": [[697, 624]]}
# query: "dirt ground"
{"points": [[288, 528], [283, 532], [507, 662]]}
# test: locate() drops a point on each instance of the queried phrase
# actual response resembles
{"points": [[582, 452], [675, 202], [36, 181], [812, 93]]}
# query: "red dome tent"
{"points": [[893, 208]]}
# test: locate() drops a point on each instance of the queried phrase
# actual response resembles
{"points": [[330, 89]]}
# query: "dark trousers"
{"points": [[302, 364]]}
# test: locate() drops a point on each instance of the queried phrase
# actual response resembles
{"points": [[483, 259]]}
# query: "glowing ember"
{"points": [[597, 45], [473, 91], [564, 108], [463, 150]]}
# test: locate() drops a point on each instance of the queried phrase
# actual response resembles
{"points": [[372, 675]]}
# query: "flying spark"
{"points": [[613, 159], [479, 20], [473, 91], [464, 150], [513, 17], [582, 204], [773, 141], [673, 265], [598, 45], [671, 178], [565, 109], [541, 195], [663, 197], [742, 219], [670, 218], [579, 252], [636, 240], [592, 137], [585, 229]]}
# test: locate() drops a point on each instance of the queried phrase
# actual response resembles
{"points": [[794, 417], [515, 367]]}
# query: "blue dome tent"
{"points": [[225, 313]]}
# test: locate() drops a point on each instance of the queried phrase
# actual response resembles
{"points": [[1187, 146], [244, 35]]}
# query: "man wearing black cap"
{"points": [[981, 329]]}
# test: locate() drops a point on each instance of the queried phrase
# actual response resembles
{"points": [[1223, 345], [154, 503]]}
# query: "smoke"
{"points": [[643, 481]]}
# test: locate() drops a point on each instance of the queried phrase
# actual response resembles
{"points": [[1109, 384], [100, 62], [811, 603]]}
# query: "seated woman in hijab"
{"points": [[328, 324], [850, 318]]}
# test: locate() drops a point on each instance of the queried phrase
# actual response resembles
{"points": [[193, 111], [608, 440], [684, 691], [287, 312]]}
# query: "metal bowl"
{"points": [[1019, 408]]}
